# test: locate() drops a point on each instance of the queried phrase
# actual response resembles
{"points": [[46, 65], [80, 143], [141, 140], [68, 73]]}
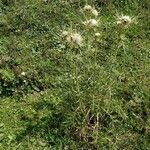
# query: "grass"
{"points": [[54, 95]]}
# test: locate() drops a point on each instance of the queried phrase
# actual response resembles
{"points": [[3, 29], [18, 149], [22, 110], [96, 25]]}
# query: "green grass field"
{"points": [[88, 89]]}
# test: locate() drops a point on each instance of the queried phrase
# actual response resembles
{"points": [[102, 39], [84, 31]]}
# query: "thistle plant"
{"points": [[72, 77], [88, 45]]}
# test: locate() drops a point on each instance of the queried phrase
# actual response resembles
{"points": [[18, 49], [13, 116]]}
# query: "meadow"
{"points": [[74, 75]]}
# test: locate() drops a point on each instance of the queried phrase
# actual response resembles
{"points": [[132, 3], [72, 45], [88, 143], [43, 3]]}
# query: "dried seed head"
{"points": [[88, 7], [94, 12], [91, 9], [97, 34], [76, 39], [91, 23], [73, 38], [124, 20], [23, 73], [65, 33]]}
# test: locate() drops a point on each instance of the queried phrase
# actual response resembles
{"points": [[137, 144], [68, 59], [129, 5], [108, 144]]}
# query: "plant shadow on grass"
{"points": [[48, 127], [52, 127], [19, 87]]}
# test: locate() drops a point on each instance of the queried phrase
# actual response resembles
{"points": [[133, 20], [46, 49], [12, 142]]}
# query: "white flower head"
{"points": [[91, 9], [23, 73], [94, 12], [88, 7], [91, 23], [65, 33], [74, 39], [97, 34], [124, 20]]}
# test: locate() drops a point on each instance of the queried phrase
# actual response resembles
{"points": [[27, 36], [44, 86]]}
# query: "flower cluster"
{"points": [[91, 9], [91, 22], [75, 39]]}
